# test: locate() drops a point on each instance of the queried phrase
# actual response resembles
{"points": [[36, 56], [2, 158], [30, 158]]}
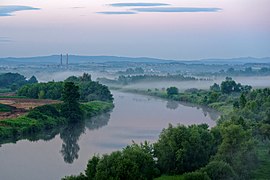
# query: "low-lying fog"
{"points": [[255, 82]]}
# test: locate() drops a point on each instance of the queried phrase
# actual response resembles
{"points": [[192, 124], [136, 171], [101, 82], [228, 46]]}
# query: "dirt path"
{"points": [[22, 106]]}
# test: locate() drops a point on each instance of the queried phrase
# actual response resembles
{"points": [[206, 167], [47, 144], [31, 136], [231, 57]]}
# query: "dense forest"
{"points": [[237, 148], [13, 81], [89, 90]]}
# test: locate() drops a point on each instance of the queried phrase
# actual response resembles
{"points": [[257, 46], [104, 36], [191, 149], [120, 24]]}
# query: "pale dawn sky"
{"points": [[170, 29]]}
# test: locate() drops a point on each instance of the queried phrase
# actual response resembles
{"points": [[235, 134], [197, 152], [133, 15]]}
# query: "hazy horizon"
{"points": [[168, 29], [119, 56]]}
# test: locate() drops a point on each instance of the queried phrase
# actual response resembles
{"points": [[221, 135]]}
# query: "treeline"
{"points": [[227, 151], [137, 70], [220, 96], [13, 81], [89, 90], [249, 71], [125, 80]]}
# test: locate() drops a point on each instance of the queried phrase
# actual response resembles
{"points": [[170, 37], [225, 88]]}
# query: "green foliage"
{"points": [[50, 90], [217, 170], [242, 101], [6, 108], [89, 90], [49, 110], [184, 149], [237, 148], [80, 177], [91, 169], [262, 170], [228, 86], [32, 80], [14, 81], [133, 162], [42, 118], [70, 108], [172, 91], [215, 87], [95, 107]]}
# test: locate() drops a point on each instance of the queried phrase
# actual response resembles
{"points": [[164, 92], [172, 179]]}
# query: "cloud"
{"points": [[116, 12], [77, 7], [176, 9], [8, 10], [137, 4]]}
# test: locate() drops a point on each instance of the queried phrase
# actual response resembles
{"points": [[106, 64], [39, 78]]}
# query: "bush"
{"points": [[218, 170], [184, 149], [133, 162], [48, 110], [172, 91]]}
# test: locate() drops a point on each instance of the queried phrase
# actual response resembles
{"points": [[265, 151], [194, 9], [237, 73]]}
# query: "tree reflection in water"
{"points": [[72, 132], [172, 105]]}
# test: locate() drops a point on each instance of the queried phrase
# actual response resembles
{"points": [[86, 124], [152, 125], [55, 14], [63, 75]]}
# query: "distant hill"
{"points": [[241, 60], [79, 59], [102, 59]]}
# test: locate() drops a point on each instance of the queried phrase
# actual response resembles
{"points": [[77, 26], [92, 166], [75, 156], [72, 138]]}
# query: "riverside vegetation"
{"points": [[237, 148], [80, 98]]}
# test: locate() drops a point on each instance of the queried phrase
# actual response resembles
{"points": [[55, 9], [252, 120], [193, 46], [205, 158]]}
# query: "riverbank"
{"points": [[44, 118], [241, 143], [197, 98]]}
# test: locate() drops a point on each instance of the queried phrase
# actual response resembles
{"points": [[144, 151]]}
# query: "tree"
{"points": [[237, 148], [32, 80], [172, 91], [85, 77], [133, 162], [70, 109], [215, 87], [242, 101], [219, 170], [183, 149]]}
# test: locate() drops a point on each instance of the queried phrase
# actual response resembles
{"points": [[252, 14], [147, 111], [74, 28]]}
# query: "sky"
{"points": [[168, 29]]}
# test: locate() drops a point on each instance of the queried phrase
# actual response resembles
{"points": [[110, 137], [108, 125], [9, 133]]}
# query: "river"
{"points": [[65, 152]]}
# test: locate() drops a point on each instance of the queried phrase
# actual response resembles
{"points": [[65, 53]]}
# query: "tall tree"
{"points": [[71, 108]]}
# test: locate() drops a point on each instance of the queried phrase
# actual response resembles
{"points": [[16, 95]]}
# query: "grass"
{"points": [[95, 107], [222, 107]]}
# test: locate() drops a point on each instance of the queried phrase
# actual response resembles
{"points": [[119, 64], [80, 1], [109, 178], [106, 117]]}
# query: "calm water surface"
{"points": [[67, 150]]}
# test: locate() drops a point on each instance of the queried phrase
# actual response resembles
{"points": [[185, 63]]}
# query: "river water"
{"points": [[66, 151]]}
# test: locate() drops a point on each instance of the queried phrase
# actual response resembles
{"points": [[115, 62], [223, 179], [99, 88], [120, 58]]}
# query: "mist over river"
{"points": [[135, 117]]}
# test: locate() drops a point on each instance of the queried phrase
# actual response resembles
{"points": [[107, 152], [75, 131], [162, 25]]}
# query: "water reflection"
{"points": [[70, 136], [72, 132], [97, 121], [207, 111], [172, 105]]}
